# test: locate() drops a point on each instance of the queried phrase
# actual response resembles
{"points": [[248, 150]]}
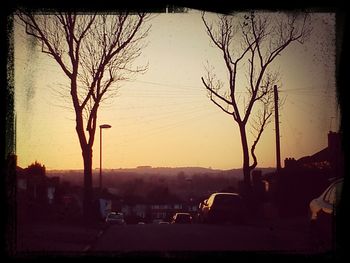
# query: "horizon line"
{"points": [[157, 167]]}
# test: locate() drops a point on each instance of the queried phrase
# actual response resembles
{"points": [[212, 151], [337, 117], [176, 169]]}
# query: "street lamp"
{"points": [[103, 126]]}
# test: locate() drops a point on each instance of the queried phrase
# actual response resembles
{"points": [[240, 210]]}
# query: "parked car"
{"points": [[182, 218], [323, 210], [157, 221], [115, 218], [223, 208], [198, 216]]}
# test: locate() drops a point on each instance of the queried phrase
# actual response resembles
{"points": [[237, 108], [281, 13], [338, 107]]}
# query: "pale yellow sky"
{"points": [[164, 118]]}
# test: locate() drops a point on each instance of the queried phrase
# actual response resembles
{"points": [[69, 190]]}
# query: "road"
{"points": [[54, 238], [199, 237]]}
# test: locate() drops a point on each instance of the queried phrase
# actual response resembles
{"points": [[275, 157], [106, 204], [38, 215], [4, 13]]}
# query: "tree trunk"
{"points": [[88, 193], [246, 167], [87, 159]]}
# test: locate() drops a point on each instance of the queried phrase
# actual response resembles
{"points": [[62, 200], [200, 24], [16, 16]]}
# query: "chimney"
{"points": [[333, 142]]}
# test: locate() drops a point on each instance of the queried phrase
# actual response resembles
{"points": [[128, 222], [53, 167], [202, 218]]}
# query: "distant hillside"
{"points": [[166, 171], [181, 181]]}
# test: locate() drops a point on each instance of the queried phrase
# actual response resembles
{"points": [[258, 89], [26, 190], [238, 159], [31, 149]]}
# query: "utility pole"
{"points": [[277, 128], [330, 125]]}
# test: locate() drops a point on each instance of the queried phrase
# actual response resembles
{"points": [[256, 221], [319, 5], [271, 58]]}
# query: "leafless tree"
{"points": [[95, 52], [249, 44]]}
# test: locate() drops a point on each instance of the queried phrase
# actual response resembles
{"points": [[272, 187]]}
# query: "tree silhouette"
{"points": [[249, 44], [95, 52]]}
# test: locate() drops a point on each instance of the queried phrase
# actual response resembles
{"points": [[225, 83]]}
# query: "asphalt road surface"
{"points": [[200, 237]]}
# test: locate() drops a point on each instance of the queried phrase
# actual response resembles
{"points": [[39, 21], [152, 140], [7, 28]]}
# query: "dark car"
{"points": [[323, 212], [223, 208], [115, 218], [182, 218]]}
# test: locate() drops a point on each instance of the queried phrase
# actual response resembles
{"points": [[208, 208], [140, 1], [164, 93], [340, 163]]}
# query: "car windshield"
{"points": [[227, 200], [333, 194], [184, 216], [115, 216]]}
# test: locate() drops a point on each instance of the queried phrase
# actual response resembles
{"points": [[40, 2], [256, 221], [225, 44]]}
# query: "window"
{"points": [[329, 197], [177, 206], [160, 215], [333, 194]]}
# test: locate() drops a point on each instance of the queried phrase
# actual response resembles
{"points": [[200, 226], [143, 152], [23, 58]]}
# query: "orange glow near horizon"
{"points": [[164, 118]]}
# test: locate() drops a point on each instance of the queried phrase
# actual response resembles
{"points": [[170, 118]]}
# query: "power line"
{"points": [[160, 129], [156, 118], [186, 86]]}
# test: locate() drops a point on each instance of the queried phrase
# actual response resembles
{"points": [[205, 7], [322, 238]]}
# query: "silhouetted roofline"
{"points": [[322, 155]]}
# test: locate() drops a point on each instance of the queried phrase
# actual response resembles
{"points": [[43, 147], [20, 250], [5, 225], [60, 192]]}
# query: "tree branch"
{"points": [[265, 118], [217, 104], [44, 38], [209, 32], [215, 93]]}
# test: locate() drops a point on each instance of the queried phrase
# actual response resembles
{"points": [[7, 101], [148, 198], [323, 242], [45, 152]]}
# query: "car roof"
{"points": [[337, 180], [182, 214], [224, 193], [334, 182], [115, 213]]}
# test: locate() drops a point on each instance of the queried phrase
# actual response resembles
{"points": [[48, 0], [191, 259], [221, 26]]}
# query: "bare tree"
{"points": [[95, 52], [249, 44]]}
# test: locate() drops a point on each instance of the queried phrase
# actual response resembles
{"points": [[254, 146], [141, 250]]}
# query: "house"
{"points": [[330, 158], [134, 208], [36, 193], [137, 208], [165, 209], [36, 186], [304, 179]]}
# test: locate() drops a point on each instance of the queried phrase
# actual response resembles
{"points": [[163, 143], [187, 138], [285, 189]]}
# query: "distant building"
{"points": [[144, 167], [148, 209], [105, 206], [166, 208]]}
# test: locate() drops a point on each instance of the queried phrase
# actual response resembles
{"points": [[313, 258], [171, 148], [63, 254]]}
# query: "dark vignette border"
{"points": [[7, 144]]}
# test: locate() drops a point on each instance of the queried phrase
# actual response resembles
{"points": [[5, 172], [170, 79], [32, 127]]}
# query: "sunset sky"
{"points": [[164, 117]]}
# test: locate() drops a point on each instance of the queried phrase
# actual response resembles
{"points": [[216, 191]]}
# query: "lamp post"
{"points": [[103, 126]]}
